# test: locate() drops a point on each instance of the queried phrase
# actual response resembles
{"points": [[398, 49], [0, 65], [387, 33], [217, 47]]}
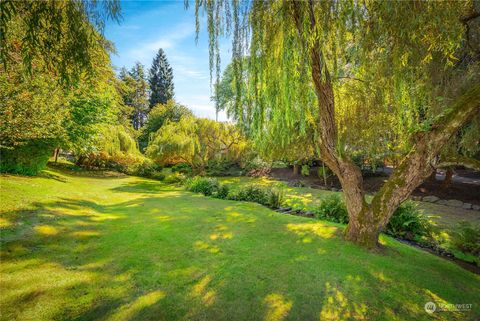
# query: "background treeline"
{"points": [[60, 94]]}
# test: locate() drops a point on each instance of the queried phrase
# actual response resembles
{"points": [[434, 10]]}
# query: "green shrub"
{"points": [[175, 178], [222, 192], [332, 208], [408, 222], [252, 194], [158, 176], [222, 167], [182, 168], [466, 238], [257, 167], [268, 197], [146, 168], [275, 198], [305, 171], [205, 185], [26, 159], [131, 164]]}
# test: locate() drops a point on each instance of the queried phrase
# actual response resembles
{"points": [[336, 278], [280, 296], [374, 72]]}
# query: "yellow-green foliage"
{"points": [[116, 140], [390, 63], [196, 141]]}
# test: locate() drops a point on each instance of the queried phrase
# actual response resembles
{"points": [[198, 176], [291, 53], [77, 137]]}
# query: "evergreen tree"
{"points": [[161, 80], [135, 93]]}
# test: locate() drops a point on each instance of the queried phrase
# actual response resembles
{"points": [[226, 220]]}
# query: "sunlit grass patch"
{"points": [[127, 248]]}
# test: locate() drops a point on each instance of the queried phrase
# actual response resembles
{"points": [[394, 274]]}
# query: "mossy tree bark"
{"points": [[367, 220], [417, 166]]}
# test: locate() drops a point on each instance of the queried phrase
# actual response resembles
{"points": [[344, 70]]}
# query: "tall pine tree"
{"points": [[161, 80]]}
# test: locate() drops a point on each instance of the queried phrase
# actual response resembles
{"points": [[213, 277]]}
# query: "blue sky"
{"points": [[150, 25]]}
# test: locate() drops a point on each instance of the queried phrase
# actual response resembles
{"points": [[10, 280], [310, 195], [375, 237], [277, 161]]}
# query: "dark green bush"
{"points": [[205, 185], [26, 159], [332, 208], [275, 198], [466, 238], [408, 222], [182, 168], [222, 192], [158, 176], [251, 194], [305, 170], [223, 167]]}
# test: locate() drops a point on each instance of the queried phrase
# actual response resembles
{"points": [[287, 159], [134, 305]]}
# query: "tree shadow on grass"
{"points": [[171, 256], [144, 186]]}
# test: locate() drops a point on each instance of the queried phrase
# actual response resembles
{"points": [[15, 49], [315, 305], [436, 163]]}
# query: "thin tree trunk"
{"points": [[324, 174], [295, 169], [448, 178], [57, 151]]}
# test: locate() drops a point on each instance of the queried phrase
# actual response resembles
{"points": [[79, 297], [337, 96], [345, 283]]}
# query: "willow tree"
{"points": [[404, 53], [62, 35]]}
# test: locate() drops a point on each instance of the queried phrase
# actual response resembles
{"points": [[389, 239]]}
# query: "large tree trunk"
{"points": [[367, 220], [417, 166]]}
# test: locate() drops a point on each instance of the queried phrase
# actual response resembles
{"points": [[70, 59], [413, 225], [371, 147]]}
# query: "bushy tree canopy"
{"points": [[134, 91], [158, 116], [196, 141]]}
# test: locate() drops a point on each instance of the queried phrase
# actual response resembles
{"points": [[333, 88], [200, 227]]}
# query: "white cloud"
{"points": [[168, 40]]}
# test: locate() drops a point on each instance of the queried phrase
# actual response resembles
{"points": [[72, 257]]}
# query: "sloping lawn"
{"points": [[125, 248]]}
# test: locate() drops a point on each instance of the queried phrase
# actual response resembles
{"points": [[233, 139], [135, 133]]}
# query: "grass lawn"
{"points": [[75, 247], [305, 198]]}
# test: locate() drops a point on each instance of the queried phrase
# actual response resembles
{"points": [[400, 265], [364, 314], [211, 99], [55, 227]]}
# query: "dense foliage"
{"points": [[314, 77], [409, 223], [159, 115], [333, 209], [196, 141], [134, 91], [40, 113], [466, 238], [160, 80], [62, 36]]}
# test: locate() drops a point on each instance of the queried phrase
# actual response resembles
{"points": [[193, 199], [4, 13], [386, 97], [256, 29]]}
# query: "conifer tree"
{"points": [[161, 80], [135, 93]]}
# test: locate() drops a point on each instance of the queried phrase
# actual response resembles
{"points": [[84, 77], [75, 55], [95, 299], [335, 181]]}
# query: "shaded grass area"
{"points": [[87, 248]]}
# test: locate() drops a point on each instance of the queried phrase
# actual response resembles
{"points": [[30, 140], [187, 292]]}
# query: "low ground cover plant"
{"points": [[333, 209], [466, 238], [208, 186], [407, 221]]}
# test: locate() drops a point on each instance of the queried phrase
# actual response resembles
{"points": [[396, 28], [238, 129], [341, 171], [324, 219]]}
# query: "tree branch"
{"points": [[460, 160]]}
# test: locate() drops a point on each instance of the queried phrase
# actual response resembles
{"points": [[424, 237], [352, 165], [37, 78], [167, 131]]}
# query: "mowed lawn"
{"points": [[306, 198], [76, 247]]}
